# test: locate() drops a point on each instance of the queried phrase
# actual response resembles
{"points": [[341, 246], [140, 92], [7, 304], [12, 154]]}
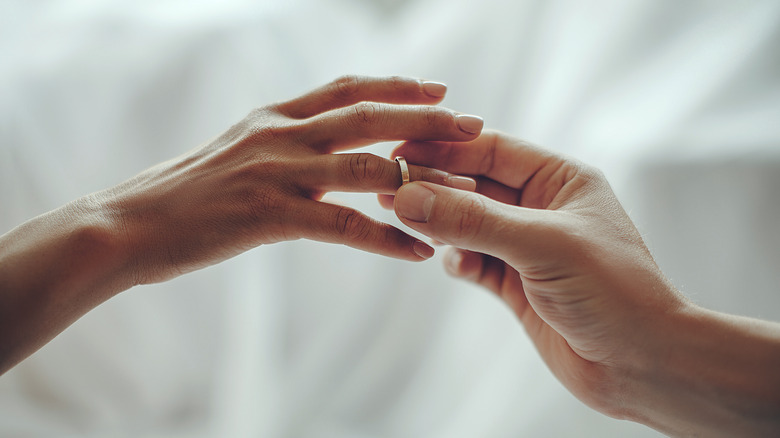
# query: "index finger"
{"points": [[349, 90], [507, 160]]}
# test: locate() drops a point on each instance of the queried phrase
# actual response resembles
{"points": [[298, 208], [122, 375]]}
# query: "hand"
{"points": [[547, 235], [260, 182]]}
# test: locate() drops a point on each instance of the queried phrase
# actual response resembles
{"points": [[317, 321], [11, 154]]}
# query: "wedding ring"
{"points": [[404, 169]]}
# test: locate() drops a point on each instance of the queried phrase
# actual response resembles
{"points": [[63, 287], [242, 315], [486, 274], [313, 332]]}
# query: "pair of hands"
{"points": [[542, 231]]}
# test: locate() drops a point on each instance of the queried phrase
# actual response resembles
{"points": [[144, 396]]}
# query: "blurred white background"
{"points": [[678, 101]]}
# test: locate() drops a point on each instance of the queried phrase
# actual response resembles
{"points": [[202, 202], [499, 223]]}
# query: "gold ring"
{"points": [[404, 169]]}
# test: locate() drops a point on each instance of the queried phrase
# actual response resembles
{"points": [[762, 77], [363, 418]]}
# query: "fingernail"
{"points": [[434, 89], [469, 123], [414, 202], [462, 183], [423, 250]]}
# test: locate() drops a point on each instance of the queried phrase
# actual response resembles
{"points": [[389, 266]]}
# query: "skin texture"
{"points": [[547, 235], [260, 182]]}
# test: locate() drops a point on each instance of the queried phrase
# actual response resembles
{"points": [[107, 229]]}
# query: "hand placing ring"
{"points": [[454, 181]]}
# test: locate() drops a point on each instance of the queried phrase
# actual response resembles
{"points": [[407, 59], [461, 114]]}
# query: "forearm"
{"points": [[54, 269], [711, 374]]}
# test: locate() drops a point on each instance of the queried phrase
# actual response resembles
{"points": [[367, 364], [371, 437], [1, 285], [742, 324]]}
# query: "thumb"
{"points": [[464, 219]]}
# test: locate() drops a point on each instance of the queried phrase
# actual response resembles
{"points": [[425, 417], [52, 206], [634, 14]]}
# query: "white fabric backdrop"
{"points": [[677, 101]]}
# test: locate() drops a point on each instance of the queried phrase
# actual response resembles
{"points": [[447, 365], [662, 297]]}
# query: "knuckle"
{"points": [[350, 225], [258, 191], [267, 129], [471, 211], [431, 115], [581, 176], [366, 113], [346, 86], [267, 133], [259, 114], [365, 168], [591, 173], [435, 116], [397, 82], [252, 182], [263, 205], [256, 119]]}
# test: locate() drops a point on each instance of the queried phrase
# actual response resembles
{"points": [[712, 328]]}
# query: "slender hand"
{"points": [[258, 183], [547, 235]]}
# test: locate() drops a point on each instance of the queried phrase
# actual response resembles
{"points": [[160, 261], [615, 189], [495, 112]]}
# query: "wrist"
{"points": [[707, 373], [53, 269], [661, 367], [98, 247]]}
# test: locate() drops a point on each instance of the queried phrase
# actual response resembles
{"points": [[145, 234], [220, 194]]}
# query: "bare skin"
{"points": [[258, 183], [547, 235]]}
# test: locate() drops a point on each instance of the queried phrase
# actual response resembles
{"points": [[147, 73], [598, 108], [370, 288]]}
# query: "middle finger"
{"points": [[369, 122]]}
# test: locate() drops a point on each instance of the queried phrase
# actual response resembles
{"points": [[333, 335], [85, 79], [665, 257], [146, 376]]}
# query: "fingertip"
{"points": [[423, 250], [470, 124], [414, 201], [386, 201], [434, 89]]}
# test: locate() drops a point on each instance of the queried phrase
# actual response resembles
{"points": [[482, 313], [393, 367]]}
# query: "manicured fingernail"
{"points": [[462, 183], [414, 202], [434, 89], [423, 250], [469, 123]]}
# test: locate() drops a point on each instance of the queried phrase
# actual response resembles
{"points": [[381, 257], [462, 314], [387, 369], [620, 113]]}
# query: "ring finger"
{"points": [[365, 172]]}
